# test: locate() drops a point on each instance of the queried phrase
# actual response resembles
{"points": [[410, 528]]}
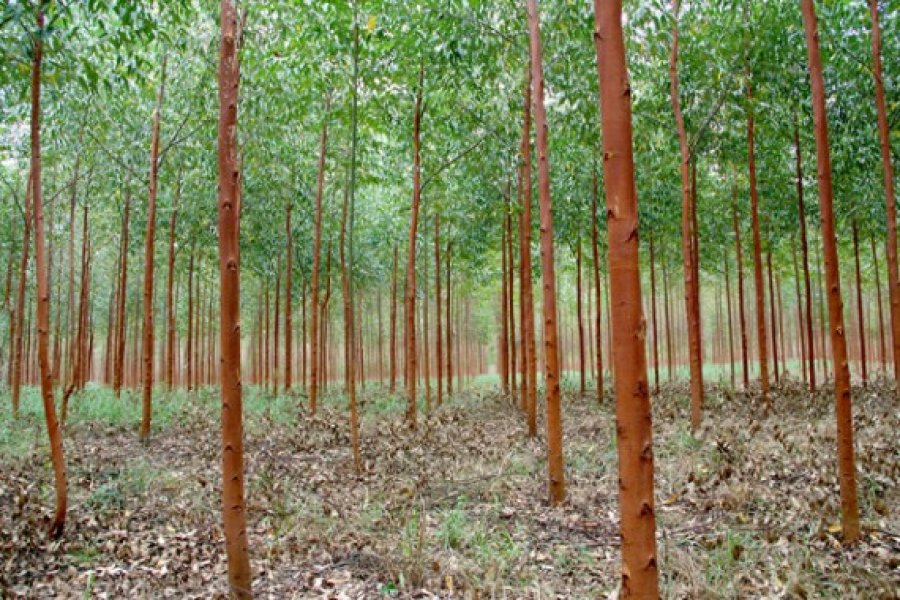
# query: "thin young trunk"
{"points": [[759, 286], [691, 285], [773, 317], [349, 362], [730, 322], [78, 372], [804, 246], [410, 304], [276, 342], [653, 316], [267, 328], [16, 378], [288, 302], [846, 463], [43, 291], [881, 343], [448, 255], [503, 339], [821, 303], [781, 325], [426, 348], [634, 432], [314, 371], [800, 313], [890, 203], [578, 305], [859, 307], [392, 354], [439, 357], [189, 350], [304, 342], [670, 356], [555, 471], [170, 281], [147, 338], [510, 310], [742, 319], [527, 297], [233, 509]]}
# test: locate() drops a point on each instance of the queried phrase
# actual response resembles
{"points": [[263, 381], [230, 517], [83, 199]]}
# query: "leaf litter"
{"points": [[748, 507]]}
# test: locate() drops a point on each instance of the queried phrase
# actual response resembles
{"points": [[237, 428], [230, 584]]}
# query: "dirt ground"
{"points": [[746, 509]]}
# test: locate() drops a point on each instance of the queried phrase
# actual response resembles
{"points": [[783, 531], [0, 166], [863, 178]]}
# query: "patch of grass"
{"points": [[452, 531], [84, 556], [481, 539], [586, 460], [135, 480], [721, 562]]}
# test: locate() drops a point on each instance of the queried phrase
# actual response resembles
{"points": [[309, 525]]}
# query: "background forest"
{"points": [[373, 293]]}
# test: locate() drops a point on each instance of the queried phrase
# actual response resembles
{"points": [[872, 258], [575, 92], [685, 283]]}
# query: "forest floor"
{"points": [[746, 508]]}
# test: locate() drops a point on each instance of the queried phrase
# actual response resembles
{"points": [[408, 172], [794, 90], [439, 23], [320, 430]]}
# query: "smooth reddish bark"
{"points": [[43, 292], [890, 202], [846, 461], [634, 433], [149, 256], [691, 285], [314, 369], [410, 303], [555, 471], [233, 509]]}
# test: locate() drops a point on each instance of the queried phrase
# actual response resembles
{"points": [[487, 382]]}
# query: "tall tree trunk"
{"points": [[314, 371], [890, 202], [730, 321], [189, 350], [170, 281], [288, 303], [393, 342], [759, 285], [653, 316], [503, 336], [773, 317], [859, 307], [79, 366], [43, 289], [147, 338], [846, 464], [527, 297], [691, 285], [551, 333], [16, 361], [781, 341], [804, 246], [639, 577], [578, 303], [448, 255], [670, 356], [742, 319], [882, 347], [426, 348], [348, 339], [800, 314], [304, 347], [439, 350], [276, 343], [510, 310], [233, 510], [410, 304]]}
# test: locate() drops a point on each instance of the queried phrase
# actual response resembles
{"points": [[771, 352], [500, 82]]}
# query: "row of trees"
{"points": [[467, 108]]}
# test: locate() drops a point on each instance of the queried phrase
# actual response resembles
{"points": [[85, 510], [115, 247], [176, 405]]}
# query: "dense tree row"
{"points": [[395, 180]]}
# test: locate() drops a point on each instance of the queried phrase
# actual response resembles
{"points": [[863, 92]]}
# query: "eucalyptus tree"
{"points": [[639, 576]]}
